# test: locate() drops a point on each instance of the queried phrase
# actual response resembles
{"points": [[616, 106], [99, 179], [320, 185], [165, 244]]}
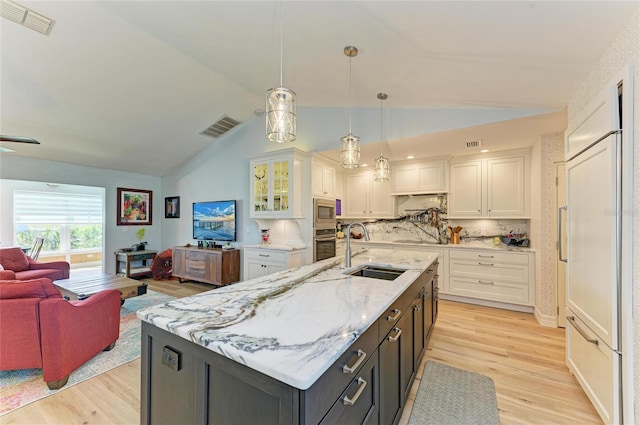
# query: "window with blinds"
{"points": [[66, 221]]}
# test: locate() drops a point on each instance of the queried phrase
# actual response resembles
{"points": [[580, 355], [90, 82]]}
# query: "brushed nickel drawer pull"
{"points": [[394, 318], [486, 282], [264, 255], [361, 356], [572, 320], [399, 332], [486, 264], [417, 308], [351, 401], [485, 256]]}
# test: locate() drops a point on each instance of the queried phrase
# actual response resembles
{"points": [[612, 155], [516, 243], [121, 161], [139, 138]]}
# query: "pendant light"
{"points": [[281, 108], [382, 164], [350, 150]]}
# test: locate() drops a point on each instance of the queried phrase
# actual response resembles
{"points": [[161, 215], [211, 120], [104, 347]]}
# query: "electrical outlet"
{"points": [[248, 229], [483, 231]]}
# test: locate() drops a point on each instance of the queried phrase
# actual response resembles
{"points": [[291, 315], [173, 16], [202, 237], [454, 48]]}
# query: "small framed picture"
{"points": [[134, 207], [172, 207]]}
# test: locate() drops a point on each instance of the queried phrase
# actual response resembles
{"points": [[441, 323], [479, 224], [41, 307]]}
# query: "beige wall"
{"points": [[624, 51]]}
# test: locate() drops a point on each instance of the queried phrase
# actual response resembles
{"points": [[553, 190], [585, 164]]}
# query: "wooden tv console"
{"points": [[215, 266]]}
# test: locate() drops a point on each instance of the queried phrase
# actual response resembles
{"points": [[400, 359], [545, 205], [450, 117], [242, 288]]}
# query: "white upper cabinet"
{"points": [[366, 197], [323, 180], [429, 177], [276, 184], [492, 188]]}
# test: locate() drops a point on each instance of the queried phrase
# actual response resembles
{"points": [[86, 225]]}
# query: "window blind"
{"points": [[31, 207]]}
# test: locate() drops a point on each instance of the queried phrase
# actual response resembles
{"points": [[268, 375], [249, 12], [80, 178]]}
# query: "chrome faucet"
{"points": [[347, 253]]}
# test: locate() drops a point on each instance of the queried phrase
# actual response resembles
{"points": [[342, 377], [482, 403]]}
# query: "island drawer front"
{"points": [[493, 290], [490, 256], [364, 392], [488, 270], [325, 391], [390, 317], [265, 256]]}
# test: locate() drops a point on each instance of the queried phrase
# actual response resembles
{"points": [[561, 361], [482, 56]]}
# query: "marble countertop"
{"points": [[294, 324], [474, 244], [277, 246]]}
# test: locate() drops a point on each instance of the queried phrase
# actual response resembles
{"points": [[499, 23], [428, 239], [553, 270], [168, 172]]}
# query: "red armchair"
{"points": [[18, 266], [39, 329]]}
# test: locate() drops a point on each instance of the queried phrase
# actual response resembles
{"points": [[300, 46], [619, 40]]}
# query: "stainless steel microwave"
{"points": [[324, 213]]}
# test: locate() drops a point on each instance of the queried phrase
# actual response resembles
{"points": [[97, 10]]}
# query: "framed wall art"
{"points": [[172, 207], [134, 207]]}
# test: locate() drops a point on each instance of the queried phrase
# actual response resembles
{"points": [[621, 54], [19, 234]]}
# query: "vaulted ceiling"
{"points": [[116, 81]]}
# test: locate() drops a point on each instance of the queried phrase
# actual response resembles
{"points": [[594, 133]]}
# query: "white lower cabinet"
{"points": [[494, 276], [263, 261]]}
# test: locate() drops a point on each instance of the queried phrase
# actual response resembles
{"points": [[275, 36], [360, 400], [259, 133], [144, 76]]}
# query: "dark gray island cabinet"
{"points": [[186, 383]]}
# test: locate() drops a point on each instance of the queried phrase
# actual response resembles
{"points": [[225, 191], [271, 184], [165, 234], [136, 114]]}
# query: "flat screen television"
{"points": [[214, 221]]}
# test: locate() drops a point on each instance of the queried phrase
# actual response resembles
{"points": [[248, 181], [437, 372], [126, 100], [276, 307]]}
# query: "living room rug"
{"points": [[21, 387], [448, 395]]}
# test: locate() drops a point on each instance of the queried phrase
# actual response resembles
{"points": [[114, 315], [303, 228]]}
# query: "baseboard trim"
{"points": [[548, 321]]}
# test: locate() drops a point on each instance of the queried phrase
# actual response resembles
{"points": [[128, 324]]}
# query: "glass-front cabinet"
{"points": [[276, 178]]}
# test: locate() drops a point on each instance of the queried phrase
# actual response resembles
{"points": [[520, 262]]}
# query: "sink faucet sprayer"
{"points": [[347, 259]]}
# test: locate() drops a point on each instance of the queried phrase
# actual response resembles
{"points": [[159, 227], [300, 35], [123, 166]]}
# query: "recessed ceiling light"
{"points": [[410, 156], [364, 165], [484, 151]]}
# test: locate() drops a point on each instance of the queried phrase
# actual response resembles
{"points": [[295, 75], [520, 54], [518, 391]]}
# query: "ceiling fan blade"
{"points": [[18, 139]]}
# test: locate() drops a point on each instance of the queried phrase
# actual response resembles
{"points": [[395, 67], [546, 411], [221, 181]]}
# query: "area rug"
{"points": [[21, 387], [448, 395]]}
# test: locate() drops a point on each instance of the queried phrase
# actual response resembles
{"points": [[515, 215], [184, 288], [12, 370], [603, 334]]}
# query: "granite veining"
{"points": [[291, 325]]}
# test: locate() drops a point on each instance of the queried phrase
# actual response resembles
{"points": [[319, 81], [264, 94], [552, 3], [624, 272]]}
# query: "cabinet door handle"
{"points": [[485, 256], [417, 308], [486, 264], [394, 339], [560, 251], [263, 255], [351, 401], [486, 282], [361, 356], [394, 318], [572, 320]]}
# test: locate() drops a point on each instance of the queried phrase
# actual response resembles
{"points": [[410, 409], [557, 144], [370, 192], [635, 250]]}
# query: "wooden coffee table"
{"points": [[82, 287]]}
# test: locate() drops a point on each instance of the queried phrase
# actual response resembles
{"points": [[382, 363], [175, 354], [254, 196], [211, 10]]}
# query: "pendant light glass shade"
{"points": [[381, 170], [281, 115], [350, 149], [281, 109]]}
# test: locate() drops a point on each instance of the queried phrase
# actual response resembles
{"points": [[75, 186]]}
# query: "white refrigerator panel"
{"points": [[596, 367], [592, 229]]}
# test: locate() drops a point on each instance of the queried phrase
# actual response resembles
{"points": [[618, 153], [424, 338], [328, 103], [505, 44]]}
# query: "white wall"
{"points": [[17, 168]]}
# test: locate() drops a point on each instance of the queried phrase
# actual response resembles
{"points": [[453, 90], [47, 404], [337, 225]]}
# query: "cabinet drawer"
{"points": [[196, 255], [493, 290], [358, 404], [265, 256], [490, 256], [488, 270], [324, 392]]}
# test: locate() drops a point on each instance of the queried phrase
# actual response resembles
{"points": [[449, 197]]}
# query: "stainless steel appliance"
{"points": [[324, 213], [594, 184], [324, 243]]}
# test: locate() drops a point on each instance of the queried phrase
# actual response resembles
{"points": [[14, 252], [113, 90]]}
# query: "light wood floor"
{"points": [[525, 360]]}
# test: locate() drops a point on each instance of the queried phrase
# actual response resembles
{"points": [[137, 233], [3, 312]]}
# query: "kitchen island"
{"points": [[291, 347]]}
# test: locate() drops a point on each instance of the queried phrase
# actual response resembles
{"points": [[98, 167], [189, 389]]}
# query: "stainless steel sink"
{"points": [[377, 272]]}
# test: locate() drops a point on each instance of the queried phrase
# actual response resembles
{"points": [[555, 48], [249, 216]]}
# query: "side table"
{"points": [[134, 264]]}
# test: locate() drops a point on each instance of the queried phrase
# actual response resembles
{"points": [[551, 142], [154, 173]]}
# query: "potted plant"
{"points": [[140, 234]]}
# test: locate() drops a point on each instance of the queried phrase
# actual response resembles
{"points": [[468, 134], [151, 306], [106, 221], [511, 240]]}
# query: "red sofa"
{"points": [[40, 329], [18, 266]]}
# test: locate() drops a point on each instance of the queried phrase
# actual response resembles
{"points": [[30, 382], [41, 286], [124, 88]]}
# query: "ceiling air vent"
{"points": [[27, 17], [220, 127], [474, 144]]}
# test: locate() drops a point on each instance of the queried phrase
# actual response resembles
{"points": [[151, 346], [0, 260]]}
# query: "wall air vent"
{"points": [[474, 143], [220, 127], [27, 17]]}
